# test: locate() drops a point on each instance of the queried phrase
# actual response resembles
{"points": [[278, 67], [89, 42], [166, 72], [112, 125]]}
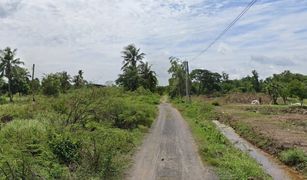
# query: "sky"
{"points": [[68, 35]]}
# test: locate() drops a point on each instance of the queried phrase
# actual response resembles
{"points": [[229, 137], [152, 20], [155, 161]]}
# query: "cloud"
{"points": [[223, 48], [89, 35], [276, 61], [8, 7]]}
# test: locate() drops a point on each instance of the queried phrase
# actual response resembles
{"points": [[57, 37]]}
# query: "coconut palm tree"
{"points": [[8, 63], [131, 56], [79, 80], [148, 77]]}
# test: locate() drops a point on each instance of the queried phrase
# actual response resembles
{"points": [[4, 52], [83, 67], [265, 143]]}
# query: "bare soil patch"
{"points": [[272, 128]]}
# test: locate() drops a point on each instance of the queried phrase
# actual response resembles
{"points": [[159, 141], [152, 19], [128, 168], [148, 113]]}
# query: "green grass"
{"points": [[214, 148], [84, 134], [294, 157]]}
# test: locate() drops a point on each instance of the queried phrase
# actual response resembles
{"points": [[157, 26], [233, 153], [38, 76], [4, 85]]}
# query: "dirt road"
{"points": [[169, 151]]}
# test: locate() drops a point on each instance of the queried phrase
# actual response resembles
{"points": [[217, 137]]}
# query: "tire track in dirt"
{"points": [[169, 151]]}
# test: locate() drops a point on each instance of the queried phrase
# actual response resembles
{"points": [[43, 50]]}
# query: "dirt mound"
{"points": [[274, 110], [247, 98], [296, 110]]}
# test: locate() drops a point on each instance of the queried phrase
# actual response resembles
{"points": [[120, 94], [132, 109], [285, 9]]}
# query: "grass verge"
{"points": [[214, 148], [87, 133]]}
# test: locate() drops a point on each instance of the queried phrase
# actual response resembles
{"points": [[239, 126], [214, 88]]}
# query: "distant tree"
{"points": [[256, 82], [177, 80], [298, 89], [161, 90], [283, 80], [3, 86], [51, 85], [284, 91], [225, 77], [136, 73], [65, 80], [272, 88], [226, 84], [20, 82], [129, 79], [35, 85], [207, 81], [148, 78], [79, 80], [8, 62]]}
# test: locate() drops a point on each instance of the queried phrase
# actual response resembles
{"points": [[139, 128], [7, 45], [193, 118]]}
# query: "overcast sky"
{"points": [[69, 35]]}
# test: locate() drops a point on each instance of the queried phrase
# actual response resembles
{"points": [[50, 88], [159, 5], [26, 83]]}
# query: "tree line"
{"points": [[205, 82], [136, 73], [15, 78]]}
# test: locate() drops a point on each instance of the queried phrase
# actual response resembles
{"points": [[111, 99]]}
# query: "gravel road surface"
{"points": [[169, 151]]}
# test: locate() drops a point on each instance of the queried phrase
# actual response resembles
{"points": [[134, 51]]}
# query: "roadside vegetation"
{"points": [[214, 148], [71, 128], [277, 122], [86, 133]]}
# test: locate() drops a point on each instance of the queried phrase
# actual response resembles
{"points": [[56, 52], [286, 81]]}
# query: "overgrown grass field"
{"points": [[88, 133]]}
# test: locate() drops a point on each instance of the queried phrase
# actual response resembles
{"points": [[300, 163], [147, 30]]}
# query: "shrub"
{"points": [[293, 157], [104, 150], [215, 103], [24, 152], [3, 100], [51, 85], [65, 149]]}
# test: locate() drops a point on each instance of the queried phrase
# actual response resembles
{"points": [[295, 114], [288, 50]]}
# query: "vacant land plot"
{"points": [[279, 130]]}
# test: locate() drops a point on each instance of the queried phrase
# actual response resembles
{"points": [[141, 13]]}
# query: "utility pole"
{"points": [[33, 68], [187, 91]]}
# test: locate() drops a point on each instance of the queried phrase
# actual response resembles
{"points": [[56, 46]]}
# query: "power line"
{"points": [[225, 30]]}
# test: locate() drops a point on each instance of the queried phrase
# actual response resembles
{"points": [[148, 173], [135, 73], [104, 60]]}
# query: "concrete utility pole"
{"points": [[187, 90], [33, 68]]}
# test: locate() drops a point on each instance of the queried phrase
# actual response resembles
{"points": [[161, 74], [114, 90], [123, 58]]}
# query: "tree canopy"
{"points": [[136, 72], [8, 67]]}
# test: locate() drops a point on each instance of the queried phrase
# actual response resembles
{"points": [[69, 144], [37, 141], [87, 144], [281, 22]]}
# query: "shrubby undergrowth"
{"points": [[86, 133]]}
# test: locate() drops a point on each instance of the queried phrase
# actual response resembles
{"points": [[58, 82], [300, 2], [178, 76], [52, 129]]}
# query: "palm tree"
{"points": [[78, 79], [131, 56], [8, 63], [148, 77]]}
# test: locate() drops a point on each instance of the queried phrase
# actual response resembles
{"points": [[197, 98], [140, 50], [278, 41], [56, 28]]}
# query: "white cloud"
{"points": [[89, 34]]}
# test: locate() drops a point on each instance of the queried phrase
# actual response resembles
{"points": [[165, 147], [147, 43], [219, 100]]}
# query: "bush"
{"points": [[293, 157], [24, 152], [51, 85], [104, 151], [65, 149], [3, 100], [126, 115], [215, 103]]}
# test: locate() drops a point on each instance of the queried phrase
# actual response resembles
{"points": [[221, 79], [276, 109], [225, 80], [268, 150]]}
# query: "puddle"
{"points": [[269, 164]]}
